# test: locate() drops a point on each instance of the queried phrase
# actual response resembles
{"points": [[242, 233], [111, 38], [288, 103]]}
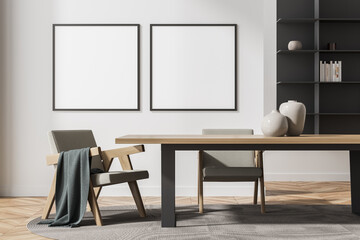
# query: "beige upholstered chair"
{"points": [[230, 166], [64, 140]]}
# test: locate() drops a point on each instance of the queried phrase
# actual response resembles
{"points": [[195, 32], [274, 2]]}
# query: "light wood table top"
{"points": [[238, 139]]}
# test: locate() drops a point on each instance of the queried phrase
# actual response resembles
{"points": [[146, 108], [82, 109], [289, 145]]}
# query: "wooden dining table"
{"points": [[172, 143]]}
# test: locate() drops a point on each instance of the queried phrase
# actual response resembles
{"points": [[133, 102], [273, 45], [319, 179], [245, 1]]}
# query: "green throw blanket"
{"points": [[72, 187]]}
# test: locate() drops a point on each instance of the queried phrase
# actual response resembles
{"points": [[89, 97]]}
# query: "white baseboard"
{"points": [[243, 189], [24, 191], [316, 177]]}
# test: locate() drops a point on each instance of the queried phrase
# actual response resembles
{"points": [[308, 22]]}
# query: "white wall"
{"points": [[29, 116], [3, 54], [26, 88]]}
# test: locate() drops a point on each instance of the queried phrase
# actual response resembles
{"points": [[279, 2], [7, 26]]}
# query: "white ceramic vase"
{"points": [[296, 114], [274, 124], [294, 45]]}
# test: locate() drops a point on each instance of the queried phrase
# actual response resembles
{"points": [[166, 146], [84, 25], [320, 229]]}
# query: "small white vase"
{"points": [[274, 124], [294, 45], [296, 114]]}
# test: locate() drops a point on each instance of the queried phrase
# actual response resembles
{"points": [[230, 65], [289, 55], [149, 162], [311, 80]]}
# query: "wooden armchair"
{"points": [[231, 166], [63, 139]]}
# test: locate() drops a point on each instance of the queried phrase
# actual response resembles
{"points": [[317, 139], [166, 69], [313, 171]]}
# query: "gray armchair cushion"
{"points": [[230, 174], [114, 177], [66, 140], [228, 158]]}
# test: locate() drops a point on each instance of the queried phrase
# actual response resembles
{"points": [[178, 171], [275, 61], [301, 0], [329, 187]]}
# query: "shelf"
{"points": [[339, 114], [296, 82], [322, 20], [296, 51], [339, 20], [334, 114], [316, 51], [307, 82], [296, 20], [339, 51], [343, 82]]}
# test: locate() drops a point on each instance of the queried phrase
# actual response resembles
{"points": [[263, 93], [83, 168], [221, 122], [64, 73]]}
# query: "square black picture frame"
{"points": [[54, 90], [235, 104]]}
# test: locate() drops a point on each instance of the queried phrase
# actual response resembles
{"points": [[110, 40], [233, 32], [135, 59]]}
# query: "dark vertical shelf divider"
{"points": [[316, 67], [331, 107]]}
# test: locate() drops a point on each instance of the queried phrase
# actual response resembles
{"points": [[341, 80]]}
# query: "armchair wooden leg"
{"points": [[94, 206], [256, 191], [126, 165], [198, 191], [262, 194], [200, 183], [137, 198], [201, 197], [50, 199], [97, 191], [262, 190]]}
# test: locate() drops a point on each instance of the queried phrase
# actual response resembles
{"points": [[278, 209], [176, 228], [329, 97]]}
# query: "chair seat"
{"points": [[114, 177], [231, 174]]}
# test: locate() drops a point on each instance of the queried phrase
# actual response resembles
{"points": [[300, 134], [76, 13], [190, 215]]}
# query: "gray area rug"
{"points": [[218, 222]]}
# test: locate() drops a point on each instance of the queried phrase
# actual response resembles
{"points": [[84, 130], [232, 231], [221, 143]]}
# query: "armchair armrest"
{"points": [[122, 154], [53, 159], [107, 156]]}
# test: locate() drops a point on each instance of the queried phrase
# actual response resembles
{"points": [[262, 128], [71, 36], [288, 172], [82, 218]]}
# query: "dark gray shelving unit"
{"points": [[332, 107]]}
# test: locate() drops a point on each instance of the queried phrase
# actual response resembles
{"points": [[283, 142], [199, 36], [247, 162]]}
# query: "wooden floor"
{"points": [[15, 213]]}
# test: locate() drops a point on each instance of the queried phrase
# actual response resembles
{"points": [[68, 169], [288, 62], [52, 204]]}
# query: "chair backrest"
{"points": [[64, 140], [228, 158]]}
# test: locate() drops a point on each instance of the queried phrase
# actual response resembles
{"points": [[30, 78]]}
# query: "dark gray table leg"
{"points": [[355, 181], [167, 186]]}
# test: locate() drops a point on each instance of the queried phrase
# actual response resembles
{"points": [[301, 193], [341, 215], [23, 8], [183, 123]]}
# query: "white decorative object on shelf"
{"points": [[295, 113], [274, 124], [295, 45]]}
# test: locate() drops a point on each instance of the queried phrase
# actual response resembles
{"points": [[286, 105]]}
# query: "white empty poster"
{"points": [[193, 67], [96, 67]]}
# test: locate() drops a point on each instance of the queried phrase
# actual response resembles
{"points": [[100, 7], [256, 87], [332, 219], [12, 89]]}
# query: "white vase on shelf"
{"points": [[295, 113], [294, 45], [274, 124]]}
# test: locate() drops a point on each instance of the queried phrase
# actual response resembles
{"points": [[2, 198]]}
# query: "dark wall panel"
{"points": [[345, 35], [337, 98], [295, 67], [295, 9], [303, 32], [309, 125], [339, 8], [339, 124]]}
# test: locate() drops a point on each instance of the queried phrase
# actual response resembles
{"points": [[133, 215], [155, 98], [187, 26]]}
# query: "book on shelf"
{"points": [[322, 71], [339, 70], [330, 71]]}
